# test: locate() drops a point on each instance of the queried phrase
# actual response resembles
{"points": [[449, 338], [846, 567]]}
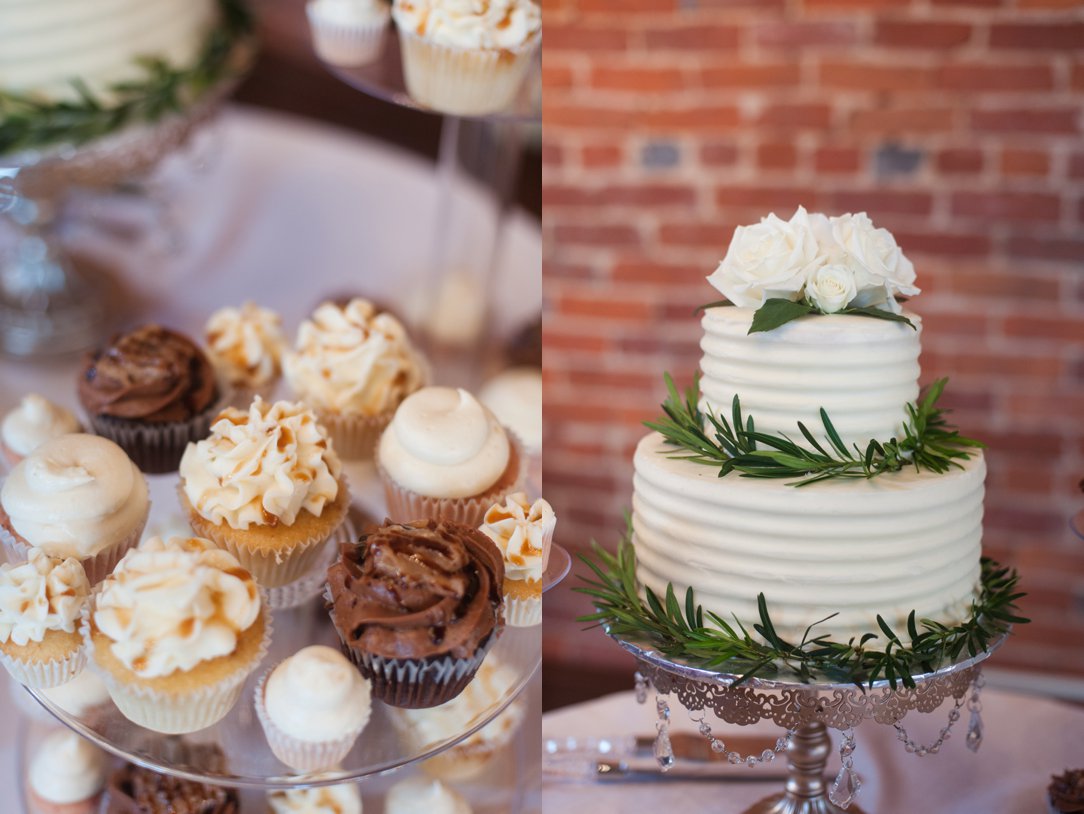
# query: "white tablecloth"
{"points": [[1026, 740]]}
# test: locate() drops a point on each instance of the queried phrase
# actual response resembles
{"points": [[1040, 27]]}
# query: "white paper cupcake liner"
{"points": [[312, 584], [525, 612], [41, 675], [301, 755], [463, 81], [346, 43], [354, 437]]}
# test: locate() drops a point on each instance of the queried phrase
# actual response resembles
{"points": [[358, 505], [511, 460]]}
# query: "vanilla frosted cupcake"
{"points": [[421, 795], [266, 486], [75, 496], [67, 775], [523, 531], [342, 798], [35, 421], [312, 708], [467, 57], [245, 345], [515, 397], [444, 456], [354, 366], [348, 32], [174, 632], [41, 603]]}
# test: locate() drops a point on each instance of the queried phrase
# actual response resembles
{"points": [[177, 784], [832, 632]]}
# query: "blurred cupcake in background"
{"points": [[424, 795], [135, 790], [67, 775], [245, 346], [341, 798], [515, 397], [35, 421], [348, 32], [523, 531]]}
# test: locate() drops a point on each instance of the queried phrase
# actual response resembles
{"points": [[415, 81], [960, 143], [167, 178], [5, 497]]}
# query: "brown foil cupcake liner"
{"points": [[354, 437], [156, 448], [41, 675]]}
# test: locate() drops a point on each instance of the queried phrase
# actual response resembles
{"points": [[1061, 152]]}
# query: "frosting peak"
{"points": [[35, 421], [67, 769], [39, 595], [523, 532], [246, 344], [343, 798]]}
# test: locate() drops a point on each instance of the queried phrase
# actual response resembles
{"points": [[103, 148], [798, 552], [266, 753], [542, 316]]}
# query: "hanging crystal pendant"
{"points": [[664, 752], [641, 688], [845, 788], [974, 731]]}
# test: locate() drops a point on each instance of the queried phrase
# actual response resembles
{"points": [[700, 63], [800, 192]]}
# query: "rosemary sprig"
{"points": [[928, 443], [701, 637], [28, 122]]}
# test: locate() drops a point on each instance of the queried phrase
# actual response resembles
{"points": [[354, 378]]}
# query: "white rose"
{"points": [[885, 271], [770, 259], [830, 288]]}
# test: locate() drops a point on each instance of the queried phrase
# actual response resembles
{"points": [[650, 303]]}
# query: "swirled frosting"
{"points": [[491, 24], [343, 798], [522, 531], [75, 496], [39, 595], [171, 604], [353, 360], [419, 795], [151, 374], [35, 421], [246, 344], [443, 443], [261, 467], [417, 590], [67, 769], [317, 695]]}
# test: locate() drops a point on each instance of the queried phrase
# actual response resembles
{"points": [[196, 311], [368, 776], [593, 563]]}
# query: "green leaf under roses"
{"points": [[777, 311], [707, 305], [877, 313]]}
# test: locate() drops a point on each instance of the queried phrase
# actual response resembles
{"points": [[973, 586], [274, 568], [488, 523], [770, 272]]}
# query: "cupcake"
{"points": [[67, 775], [266, 486], [312, 708], [425, 729], [342, 798], [515, 397], [135, 790], [523, 532], [1065, 794], [41, 602], [420, 795], [467, 59], [152, 391], [75, 496], [245, 346], [417, 606], [354, 365], [444, 456], [348, 32], [35, 421], [174, 632]]}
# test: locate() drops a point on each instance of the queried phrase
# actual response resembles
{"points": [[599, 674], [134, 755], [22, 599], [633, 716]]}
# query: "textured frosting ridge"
{"points": [[75, 495], [171, 604], [339, 799], [443, 443], [39, 595], [261, 467], [67, 769], [470, 23], [522, 531], [420, 795], [35, 421], [317, 695], [246, 344], [353, 360]]}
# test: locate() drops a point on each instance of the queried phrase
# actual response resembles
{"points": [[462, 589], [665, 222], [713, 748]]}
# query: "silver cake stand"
{"points": [[806, 711]]}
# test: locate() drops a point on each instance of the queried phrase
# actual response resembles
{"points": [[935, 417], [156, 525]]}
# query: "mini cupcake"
{"points": [[67, 775], [354, 365], [417, 607], [75, 496], [152, 391], [267, 487], [422, 795], [135, 790], [35, 421], [425, 729], [41, 602], [446, 457], [312, 708], [174, 632], [468, 59], [348, 32], [1065, 794], [342, 798], [245, 346], [523, 531], [515, 397]]}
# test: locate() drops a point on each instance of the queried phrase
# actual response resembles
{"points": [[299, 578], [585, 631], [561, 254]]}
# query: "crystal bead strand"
{"points": [[719, 747], [641, 687], [847, 783], [664, 752], [914, 748], [974, 705]]}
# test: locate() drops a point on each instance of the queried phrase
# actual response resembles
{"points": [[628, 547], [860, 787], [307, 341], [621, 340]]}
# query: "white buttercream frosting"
{"points": [[42, 594], [343, 798], [75, 496], [261, 467], [420, 795], [246, 344], [350, 12], [67, 769], [443, 443], [490, 24], [515, 397], [35, 421], [522, 531], [353, 360], [170, 605], [317, 695], [82, 693]]}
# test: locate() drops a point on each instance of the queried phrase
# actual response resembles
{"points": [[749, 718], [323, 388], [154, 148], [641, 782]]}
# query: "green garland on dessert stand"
{"points": [[30, 123], [682, 630]]}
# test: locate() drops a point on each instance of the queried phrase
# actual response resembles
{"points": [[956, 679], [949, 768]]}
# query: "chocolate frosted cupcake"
{"points": [[152, 391], [135, 790], [1066, 792], [417, 606]]}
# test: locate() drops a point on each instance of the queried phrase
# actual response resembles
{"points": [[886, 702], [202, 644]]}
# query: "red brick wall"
{"points": [[957, 124]]}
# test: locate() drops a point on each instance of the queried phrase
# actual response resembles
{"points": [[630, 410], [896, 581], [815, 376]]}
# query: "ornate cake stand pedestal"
{"points": [[807, 712]]}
